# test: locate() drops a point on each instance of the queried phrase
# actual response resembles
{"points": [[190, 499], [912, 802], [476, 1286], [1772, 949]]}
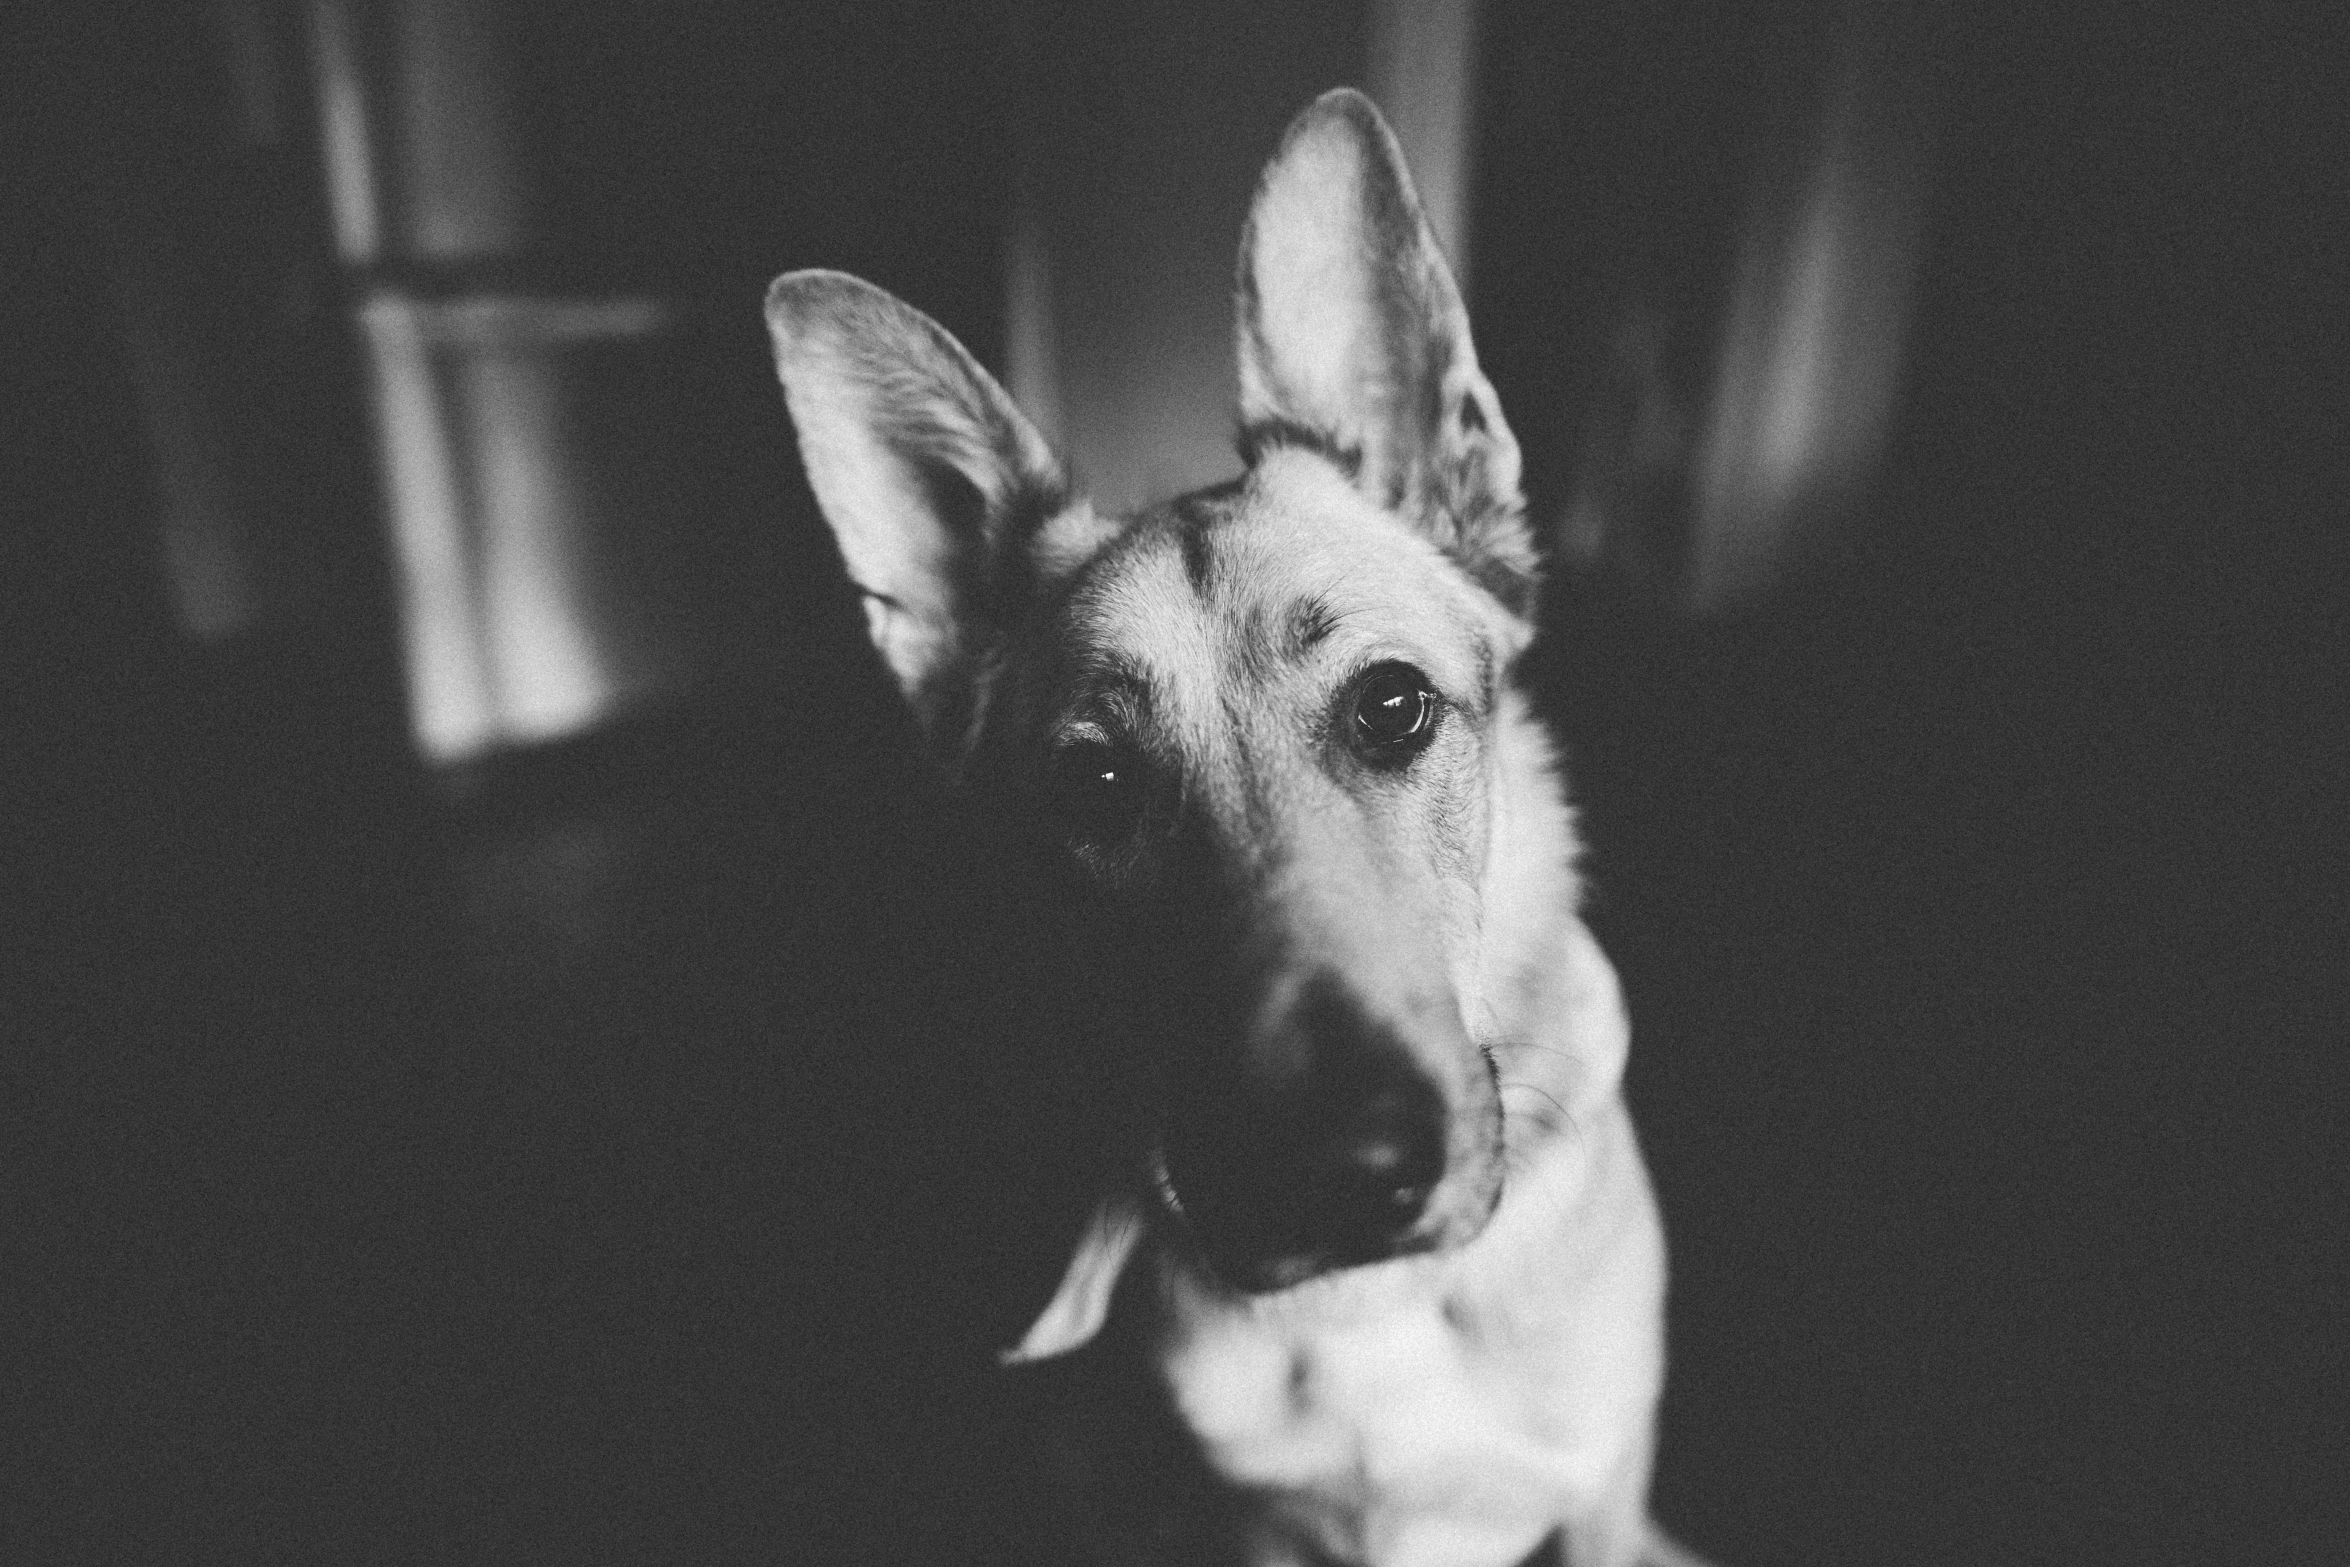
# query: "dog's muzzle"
{"points": [[1332, 1165]]}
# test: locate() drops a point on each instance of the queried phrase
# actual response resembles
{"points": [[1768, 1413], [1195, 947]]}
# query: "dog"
{"points": [[1381, 1279]]}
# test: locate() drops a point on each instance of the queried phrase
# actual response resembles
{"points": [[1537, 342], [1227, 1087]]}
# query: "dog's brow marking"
{"points": [[1311, 620], [1108, 683], [1119, 676]]}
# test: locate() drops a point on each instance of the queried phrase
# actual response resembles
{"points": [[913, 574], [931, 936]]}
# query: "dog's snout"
{"points": [[1333, 1167], [1371, 1175], [1366, 1186]]}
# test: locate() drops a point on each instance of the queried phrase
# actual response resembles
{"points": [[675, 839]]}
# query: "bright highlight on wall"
{"points": [[1811, 350], [493, 516]]}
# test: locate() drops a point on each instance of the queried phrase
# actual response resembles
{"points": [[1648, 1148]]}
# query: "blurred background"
{"points": [[506, 1058]]}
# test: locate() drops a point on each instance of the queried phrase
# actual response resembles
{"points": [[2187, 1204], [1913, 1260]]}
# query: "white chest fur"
{"points": [[1449, 1411]]}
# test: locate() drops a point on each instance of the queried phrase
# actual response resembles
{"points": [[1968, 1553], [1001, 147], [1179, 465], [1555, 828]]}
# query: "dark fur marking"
{"points": [[1199, 554], [1311, 620], [1266, 641], [1266, 434]]}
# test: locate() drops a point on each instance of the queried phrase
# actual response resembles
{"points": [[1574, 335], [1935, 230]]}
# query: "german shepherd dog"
{"points": [[1392, 1271]]}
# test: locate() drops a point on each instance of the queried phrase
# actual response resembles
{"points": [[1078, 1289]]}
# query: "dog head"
{"points": [[1259, 728]]}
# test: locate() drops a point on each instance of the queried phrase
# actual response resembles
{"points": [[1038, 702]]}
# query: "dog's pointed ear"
{"points": [[935, 486], [1082, 1303], [1352, 338]]}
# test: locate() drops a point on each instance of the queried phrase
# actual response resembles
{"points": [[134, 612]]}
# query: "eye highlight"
{"points": [[1393, 716], [1097, 785]]}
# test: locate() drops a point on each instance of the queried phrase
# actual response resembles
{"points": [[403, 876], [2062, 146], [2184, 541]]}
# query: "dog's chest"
{"points": [[1414, 1437]]}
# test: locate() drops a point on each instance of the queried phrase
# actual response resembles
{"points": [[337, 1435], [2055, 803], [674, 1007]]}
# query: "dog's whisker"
{"points": [[1543, 1093]]}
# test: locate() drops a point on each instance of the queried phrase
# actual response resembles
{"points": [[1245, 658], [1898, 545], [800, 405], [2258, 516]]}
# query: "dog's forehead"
{"points": [[1239, 586]]}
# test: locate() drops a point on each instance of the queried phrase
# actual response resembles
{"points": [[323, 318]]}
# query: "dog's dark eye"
{"points": [[1098, 785], [1394, 713]]}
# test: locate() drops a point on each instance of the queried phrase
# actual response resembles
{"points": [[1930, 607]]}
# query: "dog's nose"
{"points": [[1373, 1178], [1334, 1169], [1369, 1176]]}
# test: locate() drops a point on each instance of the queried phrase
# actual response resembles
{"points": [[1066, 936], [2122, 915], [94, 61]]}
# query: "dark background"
{"points": [[631, 1149]]}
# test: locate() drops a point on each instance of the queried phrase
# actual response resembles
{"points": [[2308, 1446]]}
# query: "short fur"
{"points": [[1162, 703]]}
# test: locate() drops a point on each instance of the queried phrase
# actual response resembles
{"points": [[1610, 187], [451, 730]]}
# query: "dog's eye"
{"points": [[1395, 712], [1098, 785]]}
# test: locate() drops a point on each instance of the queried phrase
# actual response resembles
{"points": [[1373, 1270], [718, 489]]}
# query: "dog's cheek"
{"points": [[1441, 831], [1466, 845], [1455, 790]]}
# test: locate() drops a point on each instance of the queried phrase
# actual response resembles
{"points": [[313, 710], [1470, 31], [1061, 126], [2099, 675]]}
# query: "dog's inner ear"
{"points": [[935, 486], [1352, 338]]}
